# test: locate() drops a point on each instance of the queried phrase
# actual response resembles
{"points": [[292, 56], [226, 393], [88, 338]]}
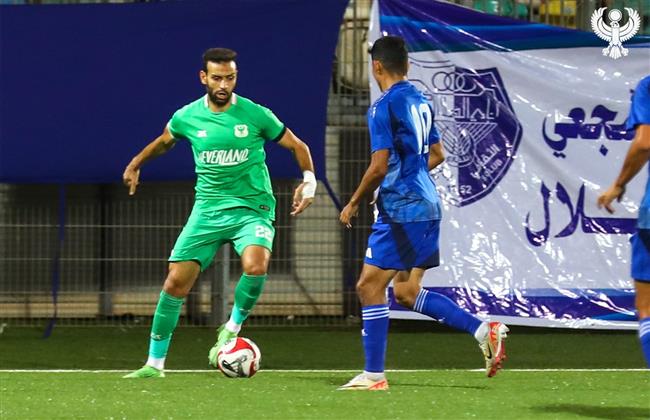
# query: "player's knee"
{"points": [[254, 265], [177, 284], [405, 296], [255, 261], [363, 288], [367, 289], [255, 269]]}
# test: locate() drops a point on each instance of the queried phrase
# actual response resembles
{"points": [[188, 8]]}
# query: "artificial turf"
{"points": [[444, 394], [317, 348], [450, 386]]}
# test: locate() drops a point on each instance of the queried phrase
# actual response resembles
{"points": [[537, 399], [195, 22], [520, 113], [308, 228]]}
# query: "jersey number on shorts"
{"points": [[263, 232], [422, 121]]}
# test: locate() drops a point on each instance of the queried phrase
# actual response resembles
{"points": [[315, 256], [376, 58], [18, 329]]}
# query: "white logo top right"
{"points": [[614, 33]]}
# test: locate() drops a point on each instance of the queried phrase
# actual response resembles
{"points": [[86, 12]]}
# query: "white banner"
{"points": [[532, 134]]}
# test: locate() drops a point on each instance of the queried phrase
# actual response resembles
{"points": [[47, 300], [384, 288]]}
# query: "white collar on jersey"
{"points": [[233, 100]]}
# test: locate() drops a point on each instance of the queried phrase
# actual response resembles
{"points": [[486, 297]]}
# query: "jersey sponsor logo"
{"points": [[229, 157], [477, 124], [201, 134], [241, 131]]}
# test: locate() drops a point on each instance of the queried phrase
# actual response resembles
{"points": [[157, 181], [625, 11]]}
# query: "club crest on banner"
{"points": [[615, 33], [478, 127]]}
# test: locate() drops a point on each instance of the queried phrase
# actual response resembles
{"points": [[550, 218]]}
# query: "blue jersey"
{"points": [[401, 120], [640, 114]]}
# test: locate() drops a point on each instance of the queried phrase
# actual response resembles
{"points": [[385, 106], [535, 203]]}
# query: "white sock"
{"points": [[232, 326], [482, 331], [374, 376], [156, 362]]}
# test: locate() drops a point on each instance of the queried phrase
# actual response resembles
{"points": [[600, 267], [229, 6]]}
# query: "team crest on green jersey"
{"points": [[241, 130]]}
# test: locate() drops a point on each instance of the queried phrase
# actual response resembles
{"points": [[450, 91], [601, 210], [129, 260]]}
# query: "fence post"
{"points": [[105, 252]]}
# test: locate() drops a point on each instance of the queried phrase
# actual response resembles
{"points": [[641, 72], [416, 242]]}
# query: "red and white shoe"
{"points": [[362, 383], [494, 348]]}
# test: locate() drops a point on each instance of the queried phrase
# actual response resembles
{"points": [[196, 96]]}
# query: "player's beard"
{"points": [[217, 100]]}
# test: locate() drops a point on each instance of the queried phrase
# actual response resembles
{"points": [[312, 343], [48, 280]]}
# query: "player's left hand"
{"points": [[348, 212], [615, 192], [300, 203]]}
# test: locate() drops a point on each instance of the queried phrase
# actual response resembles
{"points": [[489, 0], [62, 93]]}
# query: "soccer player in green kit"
{"points": [[233, 202]]}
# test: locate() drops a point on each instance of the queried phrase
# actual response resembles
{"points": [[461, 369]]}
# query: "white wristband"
{"points": [[309, 190]]}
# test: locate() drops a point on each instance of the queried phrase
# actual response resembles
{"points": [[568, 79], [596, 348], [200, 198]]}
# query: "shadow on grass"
{"points": [[337, 381], [405, 384], [595, 411]]}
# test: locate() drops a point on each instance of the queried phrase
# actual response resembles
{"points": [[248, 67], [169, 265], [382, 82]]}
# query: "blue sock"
{"points": [[375, 334], [445, 310], [644, 336]]}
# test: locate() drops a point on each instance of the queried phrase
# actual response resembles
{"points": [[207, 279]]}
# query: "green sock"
{"points": [[247, 292], [164, 322]]}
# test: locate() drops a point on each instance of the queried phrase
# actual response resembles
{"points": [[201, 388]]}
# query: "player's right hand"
{"points": [[348, 212], [130, 178], [614, 192]]}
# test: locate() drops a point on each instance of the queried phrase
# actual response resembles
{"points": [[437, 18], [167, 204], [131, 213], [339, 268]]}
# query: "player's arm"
{"points": [[304, 194], [436, 155], [371, 180], [637, 156], [436, 152], [159, 146]]}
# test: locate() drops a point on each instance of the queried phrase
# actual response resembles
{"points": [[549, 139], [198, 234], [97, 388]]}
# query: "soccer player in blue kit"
{"points": [[404, 239], [637, 156]]}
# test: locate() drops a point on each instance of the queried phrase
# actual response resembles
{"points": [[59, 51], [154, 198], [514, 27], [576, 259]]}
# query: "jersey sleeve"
{"points": [[434, 136], [640, 108], [381, 135], [271, 127], [175, 125]]}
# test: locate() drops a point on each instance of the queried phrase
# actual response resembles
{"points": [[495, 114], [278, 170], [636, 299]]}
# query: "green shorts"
{"points": [[206, 230]]}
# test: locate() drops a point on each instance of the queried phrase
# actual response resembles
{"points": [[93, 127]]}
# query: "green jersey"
{"points": [[228, 150]]}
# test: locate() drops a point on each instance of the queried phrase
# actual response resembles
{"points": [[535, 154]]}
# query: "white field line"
{"points": [[313, 370]]}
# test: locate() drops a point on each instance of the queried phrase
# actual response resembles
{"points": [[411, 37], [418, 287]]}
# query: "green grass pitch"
{"points": [[445, 394], [302, 367]]}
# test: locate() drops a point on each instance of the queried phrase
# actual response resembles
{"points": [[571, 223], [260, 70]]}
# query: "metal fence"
{"points": [[91, 255]]}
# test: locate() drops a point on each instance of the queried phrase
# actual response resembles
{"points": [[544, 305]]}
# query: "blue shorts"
{"points": [[402, 246], [641, 255]]}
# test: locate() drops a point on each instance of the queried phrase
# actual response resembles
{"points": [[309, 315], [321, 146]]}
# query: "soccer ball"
{"points": [[239, 358]]}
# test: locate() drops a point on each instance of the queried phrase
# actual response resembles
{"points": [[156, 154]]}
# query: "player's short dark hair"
{"points": [[391, 52], [218, 55]]}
